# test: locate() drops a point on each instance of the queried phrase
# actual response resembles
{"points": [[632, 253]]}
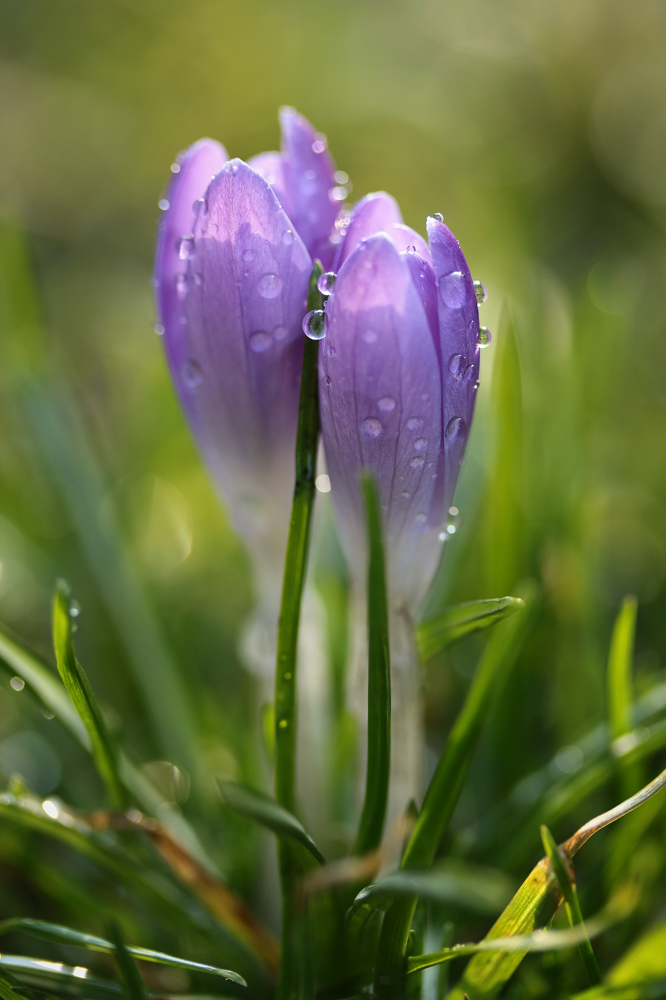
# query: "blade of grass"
{"points": [[574, 914], [371, 826], [266, 811], [444, 791], [620, 669], [435, 634], [83, 698], [132, 981], [67, 936], [295, 567]]}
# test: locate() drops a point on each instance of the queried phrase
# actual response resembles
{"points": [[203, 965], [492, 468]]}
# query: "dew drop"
{"points": [[184, 247], [269, 286], [456, 429], [175, 168], [198, 280], [311, 175], [288, 237], [315, 325], [338, 193], [417, 462], [420, 444], [386, 404], [453, 290], [484, 336], [414, 423], [319, 145], [370, 336], [420, 518], [248, 254], [326, 281], [327, 379], [260, 341], [411, 248], [371, 427], [481, 293], [192, 374], [181, 286], [74, 609], [457, 366], [470, 373], [280, 332], [200, 205], [159, 329], [163, 204], [438, 216], [405, 494]]}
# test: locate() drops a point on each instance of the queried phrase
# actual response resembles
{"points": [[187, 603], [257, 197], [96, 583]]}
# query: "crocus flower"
{"points": [[398, 377], [234, 256]]}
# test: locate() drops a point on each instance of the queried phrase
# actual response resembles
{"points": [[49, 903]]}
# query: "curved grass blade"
{"points": [[572, 905], [132, 981], [479, 889], [444, 791], [620, 669], [8, 985], [67, 936], [371, 825], [83, 698], [266, 811], [44, 975], [435, 634]]}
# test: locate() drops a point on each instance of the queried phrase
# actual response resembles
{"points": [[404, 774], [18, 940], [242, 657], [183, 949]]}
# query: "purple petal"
{"points": [[197, 166], [459, 326], [375, 213], [310, 179], [271, 168], [381, 410], [236, 343]]}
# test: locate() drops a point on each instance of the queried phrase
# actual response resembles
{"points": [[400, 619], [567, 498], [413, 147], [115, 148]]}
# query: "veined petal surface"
{"points": [[380, 402]]}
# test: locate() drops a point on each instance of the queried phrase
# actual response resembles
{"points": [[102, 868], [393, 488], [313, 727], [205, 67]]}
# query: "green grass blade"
{"points": [[620, 669], [572, 905], [8, 986], [476, 888], [67, 936], [371, 826], [444, 791], [81, 693], [460, 620], [295, 567], [266, 811], [132, 981]]}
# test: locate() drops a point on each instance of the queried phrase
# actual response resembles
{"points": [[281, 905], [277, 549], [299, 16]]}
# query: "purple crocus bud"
{"points": [[398, 373], [232, 277]]}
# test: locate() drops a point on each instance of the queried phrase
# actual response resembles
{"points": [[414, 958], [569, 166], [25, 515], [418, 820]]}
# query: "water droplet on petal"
{"points": [[453, 290], [269, 286], [470, 373], [280, 332], [175, 168], [326, 281], [315, 325], [327, 379], [192, 374], [163, 204], [420, 518], [198, 280], [338, 193], [319, 145], [200, 205], [159, 329], [74, 609], [414, 423], [417, 463], [457, 366], [371, 427], [438, 216], [288, 237], [484, 336], [481, 293], [181, 286], [420, 444], [260, 341], [248, 254], [405, 494], [411, 248], [369, 336], [456, 429], [185, 247], [386, 404]]}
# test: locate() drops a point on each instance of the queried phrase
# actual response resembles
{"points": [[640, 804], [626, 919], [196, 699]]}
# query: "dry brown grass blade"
{"points": [[224, 904]]}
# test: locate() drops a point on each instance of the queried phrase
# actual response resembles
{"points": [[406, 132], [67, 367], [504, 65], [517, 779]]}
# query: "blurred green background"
{"points": [[539, 131]]}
